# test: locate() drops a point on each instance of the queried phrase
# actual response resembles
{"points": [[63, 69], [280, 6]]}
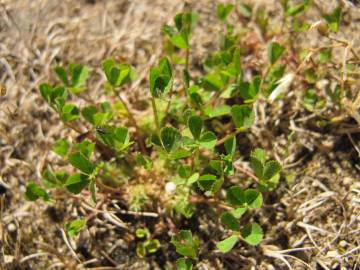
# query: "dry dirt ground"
{"points": [[310, 223]]}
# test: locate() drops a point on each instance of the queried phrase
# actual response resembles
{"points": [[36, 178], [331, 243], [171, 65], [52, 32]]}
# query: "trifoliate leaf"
{"points": [[34, 192], [185, 244], [195, 124], [61, 147], [275, 50], [252, 234], [230, 221], [243, 116]]}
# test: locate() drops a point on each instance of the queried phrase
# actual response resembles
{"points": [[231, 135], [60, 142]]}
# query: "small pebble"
{"points": [[170, 187], [333, 254], [347, 181], [8, 259], [321, 84], [343, 243], [11, 227]]}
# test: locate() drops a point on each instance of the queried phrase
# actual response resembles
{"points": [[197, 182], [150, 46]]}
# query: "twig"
{"points": [[111, 260], [197, 199], [18, 240], [348, 130], [55, 265], [60, 256], [354, 144], [32, 256], [349, 252], [344, 68], [114, 220], [251, 175], [67, 243], [141, 214]]}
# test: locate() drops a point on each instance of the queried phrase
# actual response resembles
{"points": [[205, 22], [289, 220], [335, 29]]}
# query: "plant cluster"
{"points": [[182, 139]]}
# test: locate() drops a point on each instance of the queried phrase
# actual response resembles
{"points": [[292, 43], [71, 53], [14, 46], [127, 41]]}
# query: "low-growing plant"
{"points": [[146, 245], [74, 227], [186, 149], [187, 143]]}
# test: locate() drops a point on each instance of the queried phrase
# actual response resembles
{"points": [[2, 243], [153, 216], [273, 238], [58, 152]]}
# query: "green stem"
{"points": [[187, 56], [134, 124], [228, 136], [157, 122], [195, 160], [169, 103]]}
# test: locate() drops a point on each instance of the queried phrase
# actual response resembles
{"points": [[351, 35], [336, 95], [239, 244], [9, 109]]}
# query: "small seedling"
{"points": [[147, 246], [267, 171], [74, 227]]}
